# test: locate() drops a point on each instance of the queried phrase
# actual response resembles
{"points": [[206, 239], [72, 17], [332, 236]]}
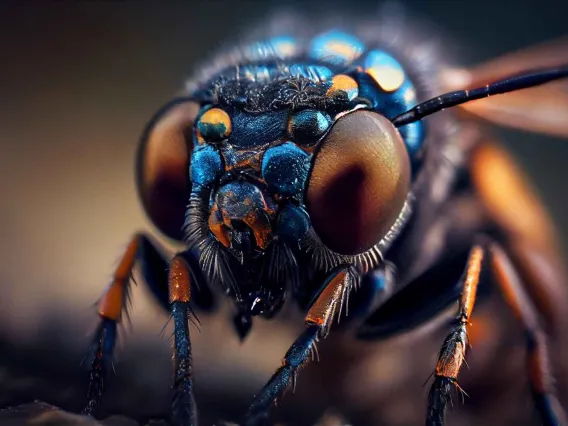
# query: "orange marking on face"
{"points": [[200, 139], [322, 311], [343, 83], [179, 281], [260, 227], [249, 161], [218, 228]]}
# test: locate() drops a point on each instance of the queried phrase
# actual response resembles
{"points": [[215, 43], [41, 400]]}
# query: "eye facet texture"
{"points": [[359, 182]]}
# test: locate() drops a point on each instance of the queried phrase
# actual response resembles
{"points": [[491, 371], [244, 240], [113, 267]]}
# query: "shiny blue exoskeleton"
{"points": [[280, 103]]}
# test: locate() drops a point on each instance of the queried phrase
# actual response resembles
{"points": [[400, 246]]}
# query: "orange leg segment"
{"points": [[550, 410], [179, 285], [175, 285], [112, 304], [110, 308], [452, 354], [327, 306]]}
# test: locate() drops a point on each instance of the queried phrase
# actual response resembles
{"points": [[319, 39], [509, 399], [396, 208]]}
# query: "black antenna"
{"points": [[448, 100]]}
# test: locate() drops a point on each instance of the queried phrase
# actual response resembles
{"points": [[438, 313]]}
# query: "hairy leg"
{"points": [[112, 306], [549, 409], [452, 354], [327, 305]]}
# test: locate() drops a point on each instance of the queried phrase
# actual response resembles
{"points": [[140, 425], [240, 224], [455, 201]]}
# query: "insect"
{"points": [[317, 166]]}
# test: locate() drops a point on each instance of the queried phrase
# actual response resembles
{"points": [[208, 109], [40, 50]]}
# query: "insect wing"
{"points": [[542, 109]]}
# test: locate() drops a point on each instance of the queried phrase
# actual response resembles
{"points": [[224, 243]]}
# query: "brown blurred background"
{"points": [[78, 80]]}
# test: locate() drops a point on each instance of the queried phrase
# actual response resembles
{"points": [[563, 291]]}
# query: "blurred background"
{"points": [[78, 81]]}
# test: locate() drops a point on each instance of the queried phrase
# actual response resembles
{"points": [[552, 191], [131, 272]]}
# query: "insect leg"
{"points": [[113, 304], [110, 309], [452, 354], [550, 410], [179, 284], [327, 304]]}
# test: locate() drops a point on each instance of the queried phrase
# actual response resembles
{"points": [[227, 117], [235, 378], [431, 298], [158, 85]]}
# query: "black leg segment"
{"points": [[327, 305], [184, 412]]}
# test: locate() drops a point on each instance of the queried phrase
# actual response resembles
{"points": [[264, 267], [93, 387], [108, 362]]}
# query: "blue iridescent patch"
{"points": [[308, 126], [391, 104], [317, 73], [257, 129], [285, 169], [206, 165], [336, 47], [413, 135], [260, 73], [293, 223], [237, 199], [212, 131]]}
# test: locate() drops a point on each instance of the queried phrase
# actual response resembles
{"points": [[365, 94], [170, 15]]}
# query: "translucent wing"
{"points": [[542, 109]]}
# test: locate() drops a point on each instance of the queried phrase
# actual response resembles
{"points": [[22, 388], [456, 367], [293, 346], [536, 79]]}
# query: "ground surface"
{"points": [[39, 413], [42, 414]]}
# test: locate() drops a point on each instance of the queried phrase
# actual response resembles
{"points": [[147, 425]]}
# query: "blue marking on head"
{"points": [[293, 223], [260, 73], [237, 199], [308, 126], [257, 129], [212, 132], [206, 165], [336, 47], [398, 102], [313, 72], [413, 135], [277, 47], [391, 104], [285, 169]]}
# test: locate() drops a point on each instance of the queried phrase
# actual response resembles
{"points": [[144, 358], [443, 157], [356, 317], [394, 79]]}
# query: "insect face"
{"points": [[339, 166], [291, 169]]}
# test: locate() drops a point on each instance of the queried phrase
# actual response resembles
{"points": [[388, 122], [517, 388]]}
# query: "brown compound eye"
{"points": [[162, 168], [359, 182]]}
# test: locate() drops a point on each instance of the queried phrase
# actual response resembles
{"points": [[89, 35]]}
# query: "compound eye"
{"points": [[308, 126], [162, 169], [214, 125], [359, 182]]}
